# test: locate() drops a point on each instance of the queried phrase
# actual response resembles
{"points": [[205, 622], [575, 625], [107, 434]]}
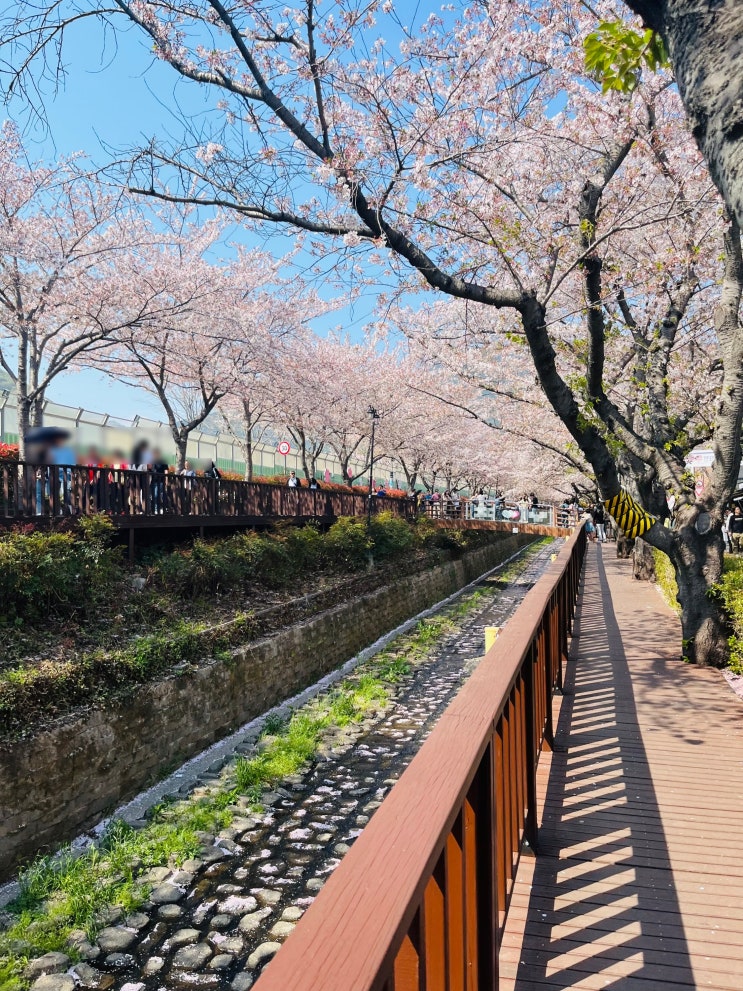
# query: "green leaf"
{"points": [[616, 55]]}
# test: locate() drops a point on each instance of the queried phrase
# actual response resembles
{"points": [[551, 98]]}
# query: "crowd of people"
{"points": [[110, 483]]}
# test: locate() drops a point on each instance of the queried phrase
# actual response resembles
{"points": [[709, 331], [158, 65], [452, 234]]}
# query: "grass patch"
{"points": [[665, 579], [72, 891], [30, 693]]}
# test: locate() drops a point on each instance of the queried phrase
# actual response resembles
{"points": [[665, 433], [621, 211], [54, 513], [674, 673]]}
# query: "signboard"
{"points": [[703, 457]]}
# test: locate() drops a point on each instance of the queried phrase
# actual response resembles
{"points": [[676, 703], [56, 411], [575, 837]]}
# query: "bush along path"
{"points": [[205, 892]]}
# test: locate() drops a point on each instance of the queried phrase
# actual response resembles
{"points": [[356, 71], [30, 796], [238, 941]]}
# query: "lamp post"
{"points": [[374, 417]]}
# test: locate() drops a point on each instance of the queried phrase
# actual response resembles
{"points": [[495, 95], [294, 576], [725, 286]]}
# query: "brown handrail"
{"points": [[420, 900], [29, 491]]}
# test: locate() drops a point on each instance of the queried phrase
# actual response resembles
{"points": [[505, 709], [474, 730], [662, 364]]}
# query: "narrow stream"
{"points": [[215, 922]]}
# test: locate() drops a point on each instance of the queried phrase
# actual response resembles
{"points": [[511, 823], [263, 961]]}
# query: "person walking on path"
{"points": [[599, 520]]}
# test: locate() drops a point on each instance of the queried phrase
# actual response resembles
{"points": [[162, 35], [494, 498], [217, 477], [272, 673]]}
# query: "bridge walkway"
{"points": [[638, 885]]}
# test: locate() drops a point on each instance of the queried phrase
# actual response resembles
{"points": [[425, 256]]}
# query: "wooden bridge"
{"points": [[547, 839], [150, 501], [143, 499]]}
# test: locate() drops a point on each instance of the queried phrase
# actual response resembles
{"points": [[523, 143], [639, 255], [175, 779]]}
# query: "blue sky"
{"points": [[115, 95]]}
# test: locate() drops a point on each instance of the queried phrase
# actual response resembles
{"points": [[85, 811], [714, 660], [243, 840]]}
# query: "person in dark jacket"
{"points": [[599, 519]]}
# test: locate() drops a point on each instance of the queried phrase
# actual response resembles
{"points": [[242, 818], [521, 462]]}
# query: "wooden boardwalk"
{"points": [[639, 881]]}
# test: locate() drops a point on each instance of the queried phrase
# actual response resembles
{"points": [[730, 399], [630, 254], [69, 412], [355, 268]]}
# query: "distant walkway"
{"points": [[639, 882]]}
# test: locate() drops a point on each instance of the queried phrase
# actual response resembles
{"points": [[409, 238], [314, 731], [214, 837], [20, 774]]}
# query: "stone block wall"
{"points": [[69, 775]]}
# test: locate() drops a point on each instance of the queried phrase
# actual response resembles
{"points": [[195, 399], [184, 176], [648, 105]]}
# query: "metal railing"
{"points": [[30, 492], [420, 900]]}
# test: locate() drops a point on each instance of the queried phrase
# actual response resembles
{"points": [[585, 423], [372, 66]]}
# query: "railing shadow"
{"points": [[603, 909]]}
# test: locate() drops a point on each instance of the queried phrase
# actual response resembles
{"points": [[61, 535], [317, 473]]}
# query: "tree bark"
{"points": [[181, 443], [697, 559], [643, 566], [703, 41]]}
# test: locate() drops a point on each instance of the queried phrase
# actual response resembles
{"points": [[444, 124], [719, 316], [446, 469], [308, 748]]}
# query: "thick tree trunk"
{"points": [[703, 40], [37, 411], [697, 560]]}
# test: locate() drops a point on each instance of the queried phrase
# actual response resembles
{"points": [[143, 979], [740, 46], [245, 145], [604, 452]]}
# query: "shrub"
{"points": [[8, 452], [306, 546], [57, 574], [348, 542], [390, 535], [730, 592], [265, 558]]}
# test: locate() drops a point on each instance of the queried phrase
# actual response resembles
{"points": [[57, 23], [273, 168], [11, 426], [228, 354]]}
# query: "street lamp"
{"points": [[374, 417]]}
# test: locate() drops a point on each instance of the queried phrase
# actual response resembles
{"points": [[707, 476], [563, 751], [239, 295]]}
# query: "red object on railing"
{"points": [[420, 900]]}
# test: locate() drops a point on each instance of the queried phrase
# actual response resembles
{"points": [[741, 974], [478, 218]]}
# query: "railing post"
{"points": [[482, 848], [532, 743]]}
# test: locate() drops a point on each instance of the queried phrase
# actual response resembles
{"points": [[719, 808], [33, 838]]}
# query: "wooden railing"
{"points": [[420, 900], [29, 491]]}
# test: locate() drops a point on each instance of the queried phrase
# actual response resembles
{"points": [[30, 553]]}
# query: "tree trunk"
{"points": [[249, 455], [24, 424], [181, 443], [697, 560], [643, 565], [37, 411], [703, 40]]}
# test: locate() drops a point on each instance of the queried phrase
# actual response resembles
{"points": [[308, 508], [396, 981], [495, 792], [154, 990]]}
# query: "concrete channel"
{"points": [[218, 919]]}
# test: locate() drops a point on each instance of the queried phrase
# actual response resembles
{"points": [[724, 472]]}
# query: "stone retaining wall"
{"points": [[69, 775]]}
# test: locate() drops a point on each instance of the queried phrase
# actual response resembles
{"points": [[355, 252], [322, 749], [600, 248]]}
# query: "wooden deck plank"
{"points": [[636, 886]]}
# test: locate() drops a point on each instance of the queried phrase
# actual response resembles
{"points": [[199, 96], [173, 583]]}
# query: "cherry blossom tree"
{"points": [[283, 355], [211, 334], [354, 378], [474, 156], [248, 411], [65, 241]]}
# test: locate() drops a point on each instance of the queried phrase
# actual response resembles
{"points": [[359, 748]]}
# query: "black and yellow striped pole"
{"points": [[631, 518]]}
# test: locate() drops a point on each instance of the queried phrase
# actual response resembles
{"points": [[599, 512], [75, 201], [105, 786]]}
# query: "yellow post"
{"points": [[491, 635]]}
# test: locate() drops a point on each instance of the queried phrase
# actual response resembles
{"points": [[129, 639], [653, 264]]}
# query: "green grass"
{"points": [[69, 892], [31, 693], [666, 579]]}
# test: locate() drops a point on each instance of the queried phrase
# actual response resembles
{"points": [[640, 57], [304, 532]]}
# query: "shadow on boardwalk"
{"points": [[637, 883]]}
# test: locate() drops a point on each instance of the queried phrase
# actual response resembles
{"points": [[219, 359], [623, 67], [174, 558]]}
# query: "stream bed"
{"points": [[217, 920]]}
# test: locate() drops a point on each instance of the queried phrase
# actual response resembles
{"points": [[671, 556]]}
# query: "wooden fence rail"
{"points": [[29, 491], [419, 902]]}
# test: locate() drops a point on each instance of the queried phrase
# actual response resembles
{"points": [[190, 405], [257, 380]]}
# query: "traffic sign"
{"points": [[284, 448]]}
